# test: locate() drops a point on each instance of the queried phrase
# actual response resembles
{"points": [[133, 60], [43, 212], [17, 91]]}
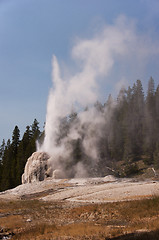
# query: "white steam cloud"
{"points": [[95, 58]]}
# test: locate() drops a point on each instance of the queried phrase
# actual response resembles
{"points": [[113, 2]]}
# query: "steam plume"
{"points": [[95, 57]]}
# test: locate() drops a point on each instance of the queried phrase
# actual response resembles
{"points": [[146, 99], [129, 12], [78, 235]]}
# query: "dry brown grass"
{"points": [[96, 221]]}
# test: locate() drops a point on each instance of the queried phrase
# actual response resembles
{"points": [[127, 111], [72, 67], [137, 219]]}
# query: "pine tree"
{"points": [[137, 119], [127, 138], [24, 152], [119, 126], [35, 129], [14, 148], [156, 133], [157, 114], [2, 148], [35, 134], [6, 180], [150, 135], [15, 140], [26, 143]]}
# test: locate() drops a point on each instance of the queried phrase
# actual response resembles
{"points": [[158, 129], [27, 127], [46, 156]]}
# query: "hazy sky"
{"points": [[31, 31]]}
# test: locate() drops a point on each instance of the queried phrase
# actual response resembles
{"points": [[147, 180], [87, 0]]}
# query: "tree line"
{"points": [[129, 132], [14, 154], [135, 127], [130, 135]]}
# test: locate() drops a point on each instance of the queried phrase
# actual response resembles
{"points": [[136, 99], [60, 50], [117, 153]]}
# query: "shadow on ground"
{"points": [[153, 235]]}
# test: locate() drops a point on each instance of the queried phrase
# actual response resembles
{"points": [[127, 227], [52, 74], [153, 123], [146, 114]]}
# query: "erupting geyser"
{"points": [[71, 143]]}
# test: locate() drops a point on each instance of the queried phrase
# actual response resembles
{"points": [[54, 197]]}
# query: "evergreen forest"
{"points": [[131, 135]]}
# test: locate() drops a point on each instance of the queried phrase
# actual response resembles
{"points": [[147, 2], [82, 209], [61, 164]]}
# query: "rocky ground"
{"points": [[85, 190], [98, 208]]}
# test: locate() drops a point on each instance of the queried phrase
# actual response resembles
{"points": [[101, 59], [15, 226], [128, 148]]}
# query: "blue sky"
{"points": [[31, 31]]}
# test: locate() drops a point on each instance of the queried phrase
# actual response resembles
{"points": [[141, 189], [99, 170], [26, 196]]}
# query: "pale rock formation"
{"points": [[39, 167], [36, 168]]}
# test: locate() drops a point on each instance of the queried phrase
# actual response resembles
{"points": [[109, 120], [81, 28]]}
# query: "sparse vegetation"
{"points": [[33, 219]]}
